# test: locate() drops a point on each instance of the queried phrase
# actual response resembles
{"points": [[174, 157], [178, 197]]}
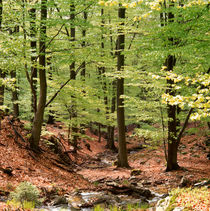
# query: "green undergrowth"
{"points": [[197, 199], [25, 196], [130, 207]]}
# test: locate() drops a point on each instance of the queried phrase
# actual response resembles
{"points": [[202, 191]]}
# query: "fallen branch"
{"points": [[60, 166], [16, 132]]}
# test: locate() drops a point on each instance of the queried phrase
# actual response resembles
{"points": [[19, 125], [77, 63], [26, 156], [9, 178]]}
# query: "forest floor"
{"points": [[93, 165]]}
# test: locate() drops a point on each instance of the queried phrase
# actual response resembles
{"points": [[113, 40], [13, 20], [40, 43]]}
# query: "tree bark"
{"points": [[122, 156], [1, 12], [14, 91], [73, 112], [83, 45], [172, 163], [39, 116], [15, 96], [2, 74], [110, 140], [32, 13], [51, 117]]}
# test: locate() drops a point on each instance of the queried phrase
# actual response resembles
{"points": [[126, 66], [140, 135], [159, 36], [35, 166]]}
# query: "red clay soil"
{"points": [[44, 170]]}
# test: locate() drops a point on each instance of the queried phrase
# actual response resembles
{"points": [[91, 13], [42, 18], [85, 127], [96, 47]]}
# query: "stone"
{"points": [[178, 209], [158, 161], [203, 183], [146, 182], [136, 172], [184, 182], [59, 200], [158, 182], [163, 204]]}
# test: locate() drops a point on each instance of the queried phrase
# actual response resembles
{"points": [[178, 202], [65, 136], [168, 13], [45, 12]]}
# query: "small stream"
{"points": [[86, 201]]}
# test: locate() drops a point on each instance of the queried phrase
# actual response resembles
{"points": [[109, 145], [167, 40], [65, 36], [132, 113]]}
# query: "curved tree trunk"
{"points": [[38, 119]]}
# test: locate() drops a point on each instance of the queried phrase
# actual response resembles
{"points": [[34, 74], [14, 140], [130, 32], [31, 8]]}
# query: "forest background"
{"points": [[106, 64]]}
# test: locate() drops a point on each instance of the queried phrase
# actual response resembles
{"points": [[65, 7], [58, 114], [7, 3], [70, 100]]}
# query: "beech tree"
{"points": [[166, 52], [2, 74], [33, 45], [122, 156], [38, 119]]}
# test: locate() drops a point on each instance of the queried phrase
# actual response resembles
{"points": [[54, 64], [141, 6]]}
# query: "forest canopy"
{"points": [[107, 63]]}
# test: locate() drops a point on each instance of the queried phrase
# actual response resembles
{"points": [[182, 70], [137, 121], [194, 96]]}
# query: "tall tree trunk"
{"points": [[15, 95], [110, 140], [172, 163], [1, 12], [83, 45], [122, 156], [39, 116], [172, 123], [14, 91], [51, 117], [2, 74], [32, 13], [73, 112], [83, 68]]}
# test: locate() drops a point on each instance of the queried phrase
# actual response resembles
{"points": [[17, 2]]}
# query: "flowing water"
{"points": [[79, 201]]}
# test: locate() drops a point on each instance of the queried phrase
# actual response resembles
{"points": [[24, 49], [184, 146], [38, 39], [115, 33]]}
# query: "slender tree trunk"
{"points": [[101, 71], [51, 118], [73, 37], [32, 13], [39, 116], [14, 91], [2, 74], [83, 45], [1, 12], [122, 156], [15, 95], [99, 132], [73, 112], [110, 140]]}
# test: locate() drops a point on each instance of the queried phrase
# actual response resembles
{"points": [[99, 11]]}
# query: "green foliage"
{"points": [[27, 126], [28, 205], [147, 45], [198, 130], [150, 134], [26, 194]]}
